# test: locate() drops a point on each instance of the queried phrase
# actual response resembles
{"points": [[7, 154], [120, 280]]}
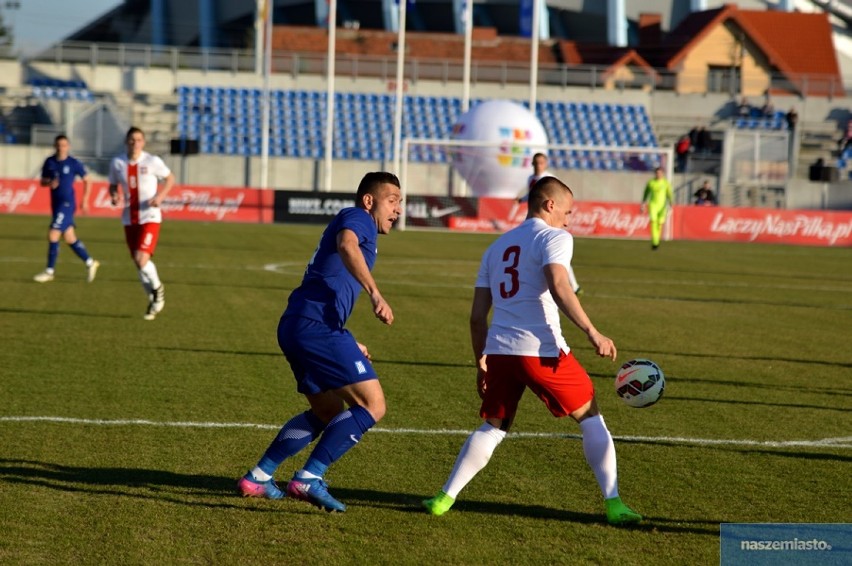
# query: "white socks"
{"points": [[149, 277], [473, 456], [600, 454]]}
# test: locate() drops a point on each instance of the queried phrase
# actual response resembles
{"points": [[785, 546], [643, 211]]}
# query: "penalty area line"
{"points": [[842, 442]]}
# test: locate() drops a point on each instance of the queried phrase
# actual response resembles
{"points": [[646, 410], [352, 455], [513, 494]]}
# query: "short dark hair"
{"points": [[372, 181], [133, 130], [546, 188], [60, 137]]}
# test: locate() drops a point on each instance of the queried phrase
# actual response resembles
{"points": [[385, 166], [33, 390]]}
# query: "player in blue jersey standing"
{"points": [[332, 370], [59, 172]]}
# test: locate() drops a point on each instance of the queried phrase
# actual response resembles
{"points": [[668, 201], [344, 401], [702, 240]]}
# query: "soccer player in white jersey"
{"points": [[524, 277], [134, 183]]}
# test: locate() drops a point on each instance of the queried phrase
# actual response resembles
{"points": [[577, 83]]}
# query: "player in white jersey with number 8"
{"points": [[134, 183], [524, 278]]}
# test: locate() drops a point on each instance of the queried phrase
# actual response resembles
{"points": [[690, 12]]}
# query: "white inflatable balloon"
{"points": [[501, 169]]}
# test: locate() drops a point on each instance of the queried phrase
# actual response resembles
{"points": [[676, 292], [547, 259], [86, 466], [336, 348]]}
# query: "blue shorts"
{"points": [[63, 217], [322, 358]]}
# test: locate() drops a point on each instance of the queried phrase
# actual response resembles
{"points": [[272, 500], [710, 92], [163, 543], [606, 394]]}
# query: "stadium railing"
{"points": [[354, 66]]}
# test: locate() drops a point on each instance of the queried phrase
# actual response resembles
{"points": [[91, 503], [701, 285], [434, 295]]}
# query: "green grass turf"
{"points": [[754, 340]]}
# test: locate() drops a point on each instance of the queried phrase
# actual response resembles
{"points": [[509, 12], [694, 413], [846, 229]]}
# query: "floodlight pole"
{"points": [[400, 68], [329, 94], [267, 71], [468, 40], [534, 54]]}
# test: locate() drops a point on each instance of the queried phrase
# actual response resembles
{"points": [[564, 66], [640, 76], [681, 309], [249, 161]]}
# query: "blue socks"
{"points": [[342, 433], [80, 250], [297, 433], [52, 253]]}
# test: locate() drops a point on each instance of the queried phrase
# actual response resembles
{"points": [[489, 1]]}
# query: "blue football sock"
{"points": [[80, 250], [52, 253], [342, 433], [297, 433]]}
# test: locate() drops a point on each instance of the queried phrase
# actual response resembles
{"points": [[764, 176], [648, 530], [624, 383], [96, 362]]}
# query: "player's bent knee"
{"points": [[590, 409], [377, 409]]}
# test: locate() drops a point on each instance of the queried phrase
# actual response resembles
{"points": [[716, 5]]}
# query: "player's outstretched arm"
{"points": [[353, 260], [560, 288]]}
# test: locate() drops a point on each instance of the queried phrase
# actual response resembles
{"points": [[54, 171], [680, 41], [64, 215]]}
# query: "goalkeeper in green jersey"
{"points": [[657, 199]]}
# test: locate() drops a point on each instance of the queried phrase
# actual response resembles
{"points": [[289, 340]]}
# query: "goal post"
{"points": [[430, 168]]}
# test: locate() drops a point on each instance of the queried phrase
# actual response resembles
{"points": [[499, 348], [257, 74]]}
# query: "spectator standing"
{"points": [[792, 118], [704, 141], [682, 153]]}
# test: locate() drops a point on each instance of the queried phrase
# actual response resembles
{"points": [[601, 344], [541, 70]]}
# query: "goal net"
{"points": [[445, 180]]}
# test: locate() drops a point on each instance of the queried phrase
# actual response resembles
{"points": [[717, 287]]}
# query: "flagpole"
{"points": [[259, 44], [329, 93], [534, 54], [468, 40], [400, 67], [267, 71]]}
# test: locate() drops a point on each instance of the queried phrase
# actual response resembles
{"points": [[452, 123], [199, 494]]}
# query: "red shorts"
{"points": [[142, 237], [561, 383]]}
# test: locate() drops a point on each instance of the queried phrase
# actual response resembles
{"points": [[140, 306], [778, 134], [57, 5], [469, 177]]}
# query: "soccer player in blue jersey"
{"points": [[59, 172], [332, 370]]}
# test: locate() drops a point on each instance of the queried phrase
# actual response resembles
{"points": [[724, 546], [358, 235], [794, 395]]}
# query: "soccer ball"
{"points": [[640, 383]]}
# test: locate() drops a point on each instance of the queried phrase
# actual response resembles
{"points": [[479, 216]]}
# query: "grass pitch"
{"points": [[146, 424]]}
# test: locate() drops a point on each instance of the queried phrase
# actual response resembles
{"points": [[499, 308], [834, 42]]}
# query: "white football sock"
{"points": [[150, 270], [600, 454], [146, 283], [473, 456]]}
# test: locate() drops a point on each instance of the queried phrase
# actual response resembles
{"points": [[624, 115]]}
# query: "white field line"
{"points": [[841, 442]]}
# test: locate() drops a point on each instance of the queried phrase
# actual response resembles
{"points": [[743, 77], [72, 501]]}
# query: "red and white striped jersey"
{"points": [[138, 180]]}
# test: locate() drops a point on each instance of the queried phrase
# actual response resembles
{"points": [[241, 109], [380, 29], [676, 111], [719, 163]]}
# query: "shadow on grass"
{"points": [[806, 361], [182, 489], [410, 503], [198, 489], [63, 313], [216, 351], [779, 452], [280, 355]]}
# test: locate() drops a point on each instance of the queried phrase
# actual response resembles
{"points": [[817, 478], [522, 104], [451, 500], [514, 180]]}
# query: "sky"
{"points": [[39, 23]]}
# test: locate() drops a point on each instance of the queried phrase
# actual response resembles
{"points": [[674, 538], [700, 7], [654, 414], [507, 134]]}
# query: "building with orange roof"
{"points": [[748, 52]]}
